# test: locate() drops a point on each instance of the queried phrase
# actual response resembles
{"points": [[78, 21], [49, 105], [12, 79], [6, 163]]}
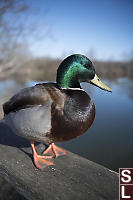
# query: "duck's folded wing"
{"points": [[27, 97]]}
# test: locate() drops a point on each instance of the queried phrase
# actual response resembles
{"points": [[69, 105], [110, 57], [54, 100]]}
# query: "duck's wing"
{"points": [[27, 97]]}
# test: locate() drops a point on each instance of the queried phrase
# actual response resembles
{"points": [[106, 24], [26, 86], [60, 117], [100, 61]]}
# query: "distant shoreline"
{"points": [[44, 69]]}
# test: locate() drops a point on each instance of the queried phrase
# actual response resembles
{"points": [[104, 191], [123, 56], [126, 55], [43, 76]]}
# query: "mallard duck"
{"points": [[54, 112]]}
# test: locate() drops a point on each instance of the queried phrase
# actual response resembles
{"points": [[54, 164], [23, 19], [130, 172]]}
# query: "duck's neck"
{"points": [[69, 83]]}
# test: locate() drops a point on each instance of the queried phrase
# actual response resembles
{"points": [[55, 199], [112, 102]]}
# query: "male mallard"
{"points": [[53, 112]]}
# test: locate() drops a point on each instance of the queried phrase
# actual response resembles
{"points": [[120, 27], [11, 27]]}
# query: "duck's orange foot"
{"points": [[41, 162], [54, 151]]}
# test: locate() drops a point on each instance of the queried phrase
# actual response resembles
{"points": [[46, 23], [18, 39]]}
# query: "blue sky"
{"points": [[103, 28]]}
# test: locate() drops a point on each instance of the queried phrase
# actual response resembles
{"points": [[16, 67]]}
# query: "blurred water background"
{"points": [[37, 35]]}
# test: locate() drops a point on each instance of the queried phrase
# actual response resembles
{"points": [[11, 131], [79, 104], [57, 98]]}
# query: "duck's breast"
{"points": [[76, 117]]}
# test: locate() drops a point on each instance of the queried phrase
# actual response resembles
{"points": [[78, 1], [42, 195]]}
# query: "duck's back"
{"points": [[27, 97]]}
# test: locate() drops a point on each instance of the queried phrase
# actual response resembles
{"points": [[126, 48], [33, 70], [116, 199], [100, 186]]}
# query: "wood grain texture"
{"points": [[71, 177]]}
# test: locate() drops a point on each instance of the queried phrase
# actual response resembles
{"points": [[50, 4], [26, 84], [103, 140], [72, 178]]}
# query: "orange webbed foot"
{"points": [[41, 162]]}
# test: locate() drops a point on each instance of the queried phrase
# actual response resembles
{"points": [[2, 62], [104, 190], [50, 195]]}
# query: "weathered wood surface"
{"points": [[72, 177]]}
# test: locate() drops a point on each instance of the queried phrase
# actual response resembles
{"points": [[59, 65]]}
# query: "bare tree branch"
{"points": [[19, 25]]}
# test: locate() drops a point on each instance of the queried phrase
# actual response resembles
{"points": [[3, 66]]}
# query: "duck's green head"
{"points": [[75, 69]]}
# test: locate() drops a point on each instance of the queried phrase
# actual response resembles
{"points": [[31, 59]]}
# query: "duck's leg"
{"points": [[54, 150], [40, 161]]}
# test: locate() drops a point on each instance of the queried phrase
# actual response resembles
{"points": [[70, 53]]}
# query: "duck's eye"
{"points": [[86, 65]]}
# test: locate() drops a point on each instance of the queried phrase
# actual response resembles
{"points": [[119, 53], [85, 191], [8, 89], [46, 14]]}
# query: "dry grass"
{"points": [[114, 70]]}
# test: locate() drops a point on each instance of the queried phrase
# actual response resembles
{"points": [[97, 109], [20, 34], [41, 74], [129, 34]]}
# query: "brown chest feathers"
{"points": [[74, 118]]}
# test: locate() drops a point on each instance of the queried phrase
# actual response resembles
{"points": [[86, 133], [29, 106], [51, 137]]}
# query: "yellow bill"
{"points": [[96, 81]]}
